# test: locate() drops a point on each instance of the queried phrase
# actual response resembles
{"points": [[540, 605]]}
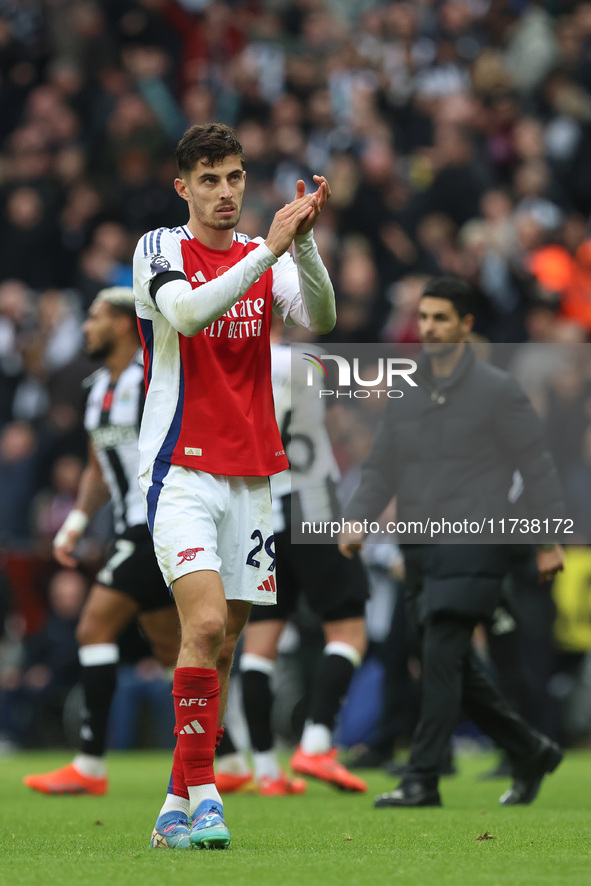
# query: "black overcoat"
{"points": [[450, 449]]}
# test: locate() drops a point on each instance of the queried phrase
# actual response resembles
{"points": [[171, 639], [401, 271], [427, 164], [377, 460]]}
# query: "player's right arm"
{"points": [[160, 279], [93, 493]]}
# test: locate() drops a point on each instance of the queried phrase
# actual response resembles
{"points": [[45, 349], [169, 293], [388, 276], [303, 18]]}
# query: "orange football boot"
{"points": [[282, 786], [229, 783], [327, 768], [67, 780]]}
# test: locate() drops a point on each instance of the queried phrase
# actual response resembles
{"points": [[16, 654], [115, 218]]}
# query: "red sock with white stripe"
{"points": [[196, 693]]}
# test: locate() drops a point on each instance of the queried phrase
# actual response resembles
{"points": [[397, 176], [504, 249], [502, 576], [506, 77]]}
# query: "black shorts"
{"points": [[132, 569], [334, 588]]}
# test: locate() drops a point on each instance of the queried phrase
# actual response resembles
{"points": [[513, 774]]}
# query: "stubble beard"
{"points": [[223, 224], [214, 222], [439, 349], [100, 352]]}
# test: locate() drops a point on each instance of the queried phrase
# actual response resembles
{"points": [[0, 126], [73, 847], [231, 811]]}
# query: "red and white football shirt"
{"points": [[209, 401]]}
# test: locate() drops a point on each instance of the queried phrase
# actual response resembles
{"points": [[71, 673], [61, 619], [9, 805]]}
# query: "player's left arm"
{"points": [[92, 494], [160, 283], [302, 290]]}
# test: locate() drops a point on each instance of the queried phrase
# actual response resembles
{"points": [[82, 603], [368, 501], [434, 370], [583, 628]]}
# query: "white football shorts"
{"points": [[210, 521]]}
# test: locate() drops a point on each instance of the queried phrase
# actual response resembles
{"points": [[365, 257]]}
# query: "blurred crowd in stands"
{"points": [[455, 134]]}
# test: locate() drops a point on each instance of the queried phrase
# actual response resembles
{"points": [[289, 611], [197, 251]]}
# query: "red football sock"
{"points": [[219, 735], [177, 784], [196, 693]]}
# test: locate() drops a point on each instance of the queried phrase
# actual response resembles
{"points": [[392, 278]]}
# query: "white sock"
{"points": [[98, 654], [175, 804], [233, 764], [265, 765], [336, 647], [317, 739], [251, 662], [200, 792], [88, 765]]}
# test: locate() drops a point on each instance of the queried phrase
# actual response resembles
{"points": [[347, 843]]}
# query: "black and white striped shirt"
{"points": [[112, 419], [309, 489]]}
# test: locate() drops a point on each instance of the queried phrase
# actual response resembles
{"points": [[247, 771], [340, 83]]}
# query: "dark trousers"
{"points": [[524, 657], [452, 679], [400, 693]]}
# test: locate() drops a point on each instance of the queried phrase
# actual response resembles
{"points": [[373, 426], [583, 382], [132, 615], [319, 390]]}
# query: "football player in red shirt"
{"points": [[209, 441]]}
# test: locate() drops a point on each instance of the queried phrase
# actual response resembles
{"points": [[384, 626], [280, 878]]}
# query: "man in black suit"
{"points": [[449, 451]]}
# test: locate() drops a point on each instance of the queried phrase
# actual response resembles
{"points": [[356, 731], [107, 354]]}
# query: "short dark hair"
{"points": [[455, 289], [120, 302], [210, 144], [124, 311]]}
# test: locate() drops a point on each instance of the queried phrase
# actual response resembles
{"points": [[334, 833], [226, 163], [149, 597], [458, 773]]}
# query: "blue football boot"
{"points": [[171, 831], [209, 829]]}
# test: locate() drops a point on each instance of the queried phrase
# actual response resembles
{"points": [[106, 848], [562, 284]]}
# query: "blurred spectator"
{"points": [[48, 346], [52, 506], [11, 660], [5, 602], [357, 290], [29, 240], [18, 465], [402, 324], [15, 319], [568, 413], [106, 261], [34, 692]]}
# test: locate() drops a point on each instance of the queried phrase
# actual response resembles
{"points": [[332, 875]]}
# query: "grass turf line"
{"points": [[322, 837]]}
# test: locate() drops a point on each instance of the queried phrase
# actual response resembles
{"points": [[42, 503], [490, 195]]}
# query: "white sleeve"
{"points": [[190, 310], [302, 291], [156, 253]]}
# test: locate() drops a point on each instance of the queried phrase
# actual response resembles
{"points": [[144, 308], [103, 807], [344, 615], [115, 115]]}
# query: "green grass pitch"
{"points": [[322, 838]]}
